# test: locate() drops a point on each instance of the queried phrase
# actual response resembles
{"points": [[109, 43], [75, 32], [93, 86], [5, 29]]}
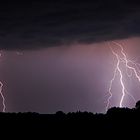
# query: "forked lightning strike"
{"points": [[130, 65]]}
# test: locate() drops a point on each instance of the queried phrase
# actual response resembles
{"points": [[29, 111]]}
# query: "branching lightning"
{"points": [[130, 65]]}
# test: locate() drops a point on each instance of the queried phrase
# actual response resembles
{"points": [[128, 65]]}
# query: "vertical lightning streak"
{"points": [[121, 79], [2, 96], [110, 87], [3, 99], [127, 62]]}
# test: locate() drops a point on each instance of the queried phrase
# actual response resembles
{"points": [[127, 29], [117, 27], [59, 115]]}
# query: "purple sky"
{"points": [[67, 78], [55, 54]]}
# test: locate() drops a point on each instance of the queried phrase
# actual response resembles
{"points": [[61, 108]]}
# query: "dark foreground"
{"points": [[116, 120]]}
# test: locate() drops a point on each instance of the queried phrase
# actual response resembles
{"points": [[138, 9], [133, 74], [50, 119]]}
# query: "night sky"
{"points": [[55, 54]]}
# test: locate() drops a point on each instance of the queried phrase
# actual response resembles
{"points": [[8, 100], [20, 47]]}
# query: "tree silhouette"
{"points": [[122, 118], [137, 106]]}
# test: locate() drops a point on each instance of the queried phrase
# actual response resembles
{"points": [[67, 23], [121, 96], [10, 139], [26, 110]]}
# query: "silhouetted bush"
{"points": [[137, 106]]}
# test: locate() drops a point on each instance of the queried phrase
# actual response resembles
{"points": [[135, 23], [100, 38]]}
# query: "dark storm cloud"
{"points": [[53, 23]]}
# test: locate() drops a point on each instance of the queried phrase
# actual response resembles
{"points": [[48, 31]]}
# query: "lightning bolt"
{"points": [[129, 65], [2, 96]]}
